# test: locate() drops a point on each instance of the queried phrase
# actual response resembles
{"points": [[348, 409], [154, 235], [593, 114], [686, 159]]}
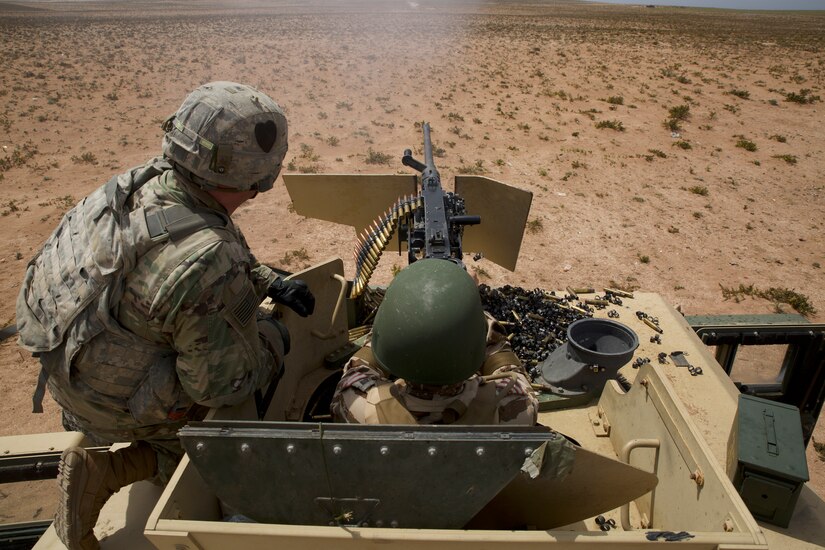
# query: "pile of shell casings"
{"points": [[535, 320]]}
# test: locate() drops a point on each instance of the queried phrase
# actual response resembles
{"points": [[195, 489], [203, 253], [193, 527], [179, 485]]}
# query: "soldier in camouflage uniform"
{"points": [[434, 357], [142, 305]]}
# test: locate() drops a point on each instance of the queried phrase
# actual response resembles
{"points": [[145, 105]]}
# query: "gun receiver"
{"points": [[438, 225], [431, 223]]}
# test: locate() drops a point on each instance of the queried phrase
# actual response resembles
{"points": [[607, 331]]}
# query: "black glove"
{"points": [[294, 294]]}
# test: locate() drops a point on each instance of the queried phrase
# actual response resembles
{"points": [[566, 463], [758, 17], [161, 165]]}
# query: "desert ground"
{"points": [[671, 150]]}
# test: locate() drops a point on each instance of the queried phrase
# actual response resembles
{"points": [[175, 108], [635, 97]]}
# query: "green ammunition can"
{"points": [[766, 458]]}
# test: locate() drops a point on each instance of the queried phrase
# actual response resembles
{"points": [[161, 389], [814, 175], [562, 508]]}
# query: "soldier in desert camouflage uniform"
{"points": [[434, 357], [142, 305]]}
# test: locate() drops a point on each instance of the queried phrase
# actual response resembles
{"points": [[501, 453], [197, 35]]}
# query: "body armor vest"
{"points": [[64, 309]]}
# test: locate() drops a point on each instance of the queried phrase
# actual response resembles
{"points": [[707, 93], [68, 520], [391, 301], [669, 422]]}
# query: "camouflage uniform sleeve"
{"points": [[358, 377], [221, 357], [262, 275], [520, 405]]}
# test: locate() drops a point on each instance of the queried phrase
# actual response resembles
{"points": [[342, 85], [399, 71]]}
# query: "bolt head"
{"points": [[337, 450]]}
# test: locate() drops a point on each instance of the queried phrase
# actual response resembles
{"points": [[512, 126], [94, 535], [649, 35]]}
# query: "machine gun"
{"points": [[431, 223], [427, 220]]}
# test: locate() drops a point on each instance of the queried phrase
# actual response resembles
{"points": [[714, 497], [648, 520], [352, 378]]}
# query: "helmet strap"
{"points": [[221, 158]]}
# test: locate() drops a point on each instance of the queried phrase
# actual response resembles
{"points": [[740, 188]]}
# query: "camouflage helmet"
{"points": [[227, 135], [430, 328]]}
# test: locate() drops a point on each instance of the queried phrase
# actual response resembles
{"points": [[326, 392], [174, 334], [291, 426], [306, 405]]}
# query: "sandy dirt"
{"points": [[514, 90]]}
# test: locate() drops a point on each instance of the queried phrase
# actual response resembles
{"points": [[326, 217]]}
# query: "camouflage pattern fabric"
{"points": [[167, 449], [228, 135], [188, 337], [355, 396]]}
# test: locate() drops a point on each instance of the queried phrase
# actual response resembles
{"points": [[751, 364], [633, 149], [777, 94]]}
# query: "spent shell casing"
{"points": [[584, 290], [594, 302], [572, 293], [617, 292], [652, 325]]}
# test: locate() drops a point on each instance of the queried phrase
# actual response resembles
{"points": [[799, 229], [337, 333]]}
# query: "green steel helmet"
{"points": [[430, 328], [227, 136]]}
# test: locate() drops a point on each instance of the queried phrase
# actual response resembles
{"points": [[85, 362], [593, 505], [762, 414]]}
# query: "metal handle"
{"points": [[329, 332], [625, 456], [770, 432]]}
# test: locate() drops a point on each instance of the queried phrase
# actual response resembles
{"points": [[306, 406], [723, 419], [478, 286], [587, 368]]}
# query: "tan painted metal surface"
{"points": [[549, 503], [690, 416], [350, 199], [710, 401], [358, 199], [39, 443], [503, 210], [313, 339]]}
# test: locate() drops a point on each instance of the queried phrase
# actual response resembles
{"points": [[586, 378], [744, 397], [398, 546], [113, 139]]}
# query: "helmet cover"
{"points": [[229, 136]]}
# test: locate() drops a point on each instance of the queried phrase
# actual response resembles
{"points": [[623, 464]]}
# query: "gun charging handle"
{"points": [[408, 160], [465, 220]]}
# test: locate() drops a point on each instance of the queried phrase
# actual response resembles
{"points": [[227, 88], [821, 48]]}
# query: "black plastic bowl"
{"points": [[601, 342]]}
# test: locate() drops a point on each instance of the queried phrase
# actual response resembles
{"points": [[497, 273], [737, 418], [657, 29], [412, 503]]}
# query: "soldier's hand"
{"points": [[294, 294]]}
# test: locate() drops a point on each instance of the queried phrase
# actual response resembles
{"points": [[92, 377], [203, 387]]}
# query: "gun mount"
{"points": [[428, 220]]}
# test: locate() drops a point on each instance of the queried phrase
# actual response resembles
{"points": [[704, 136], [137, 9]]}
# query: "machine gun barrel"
{"points": [[430, 236], [428, 148]]}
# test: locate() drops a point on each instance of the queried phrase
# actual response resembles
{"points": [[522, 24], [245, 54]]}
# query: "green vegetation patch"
{"points": [[790, 159], [376, 157], [679, 112], [612, 124], [746, 144], [804, 97], [18, 157], [777, 295]]}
